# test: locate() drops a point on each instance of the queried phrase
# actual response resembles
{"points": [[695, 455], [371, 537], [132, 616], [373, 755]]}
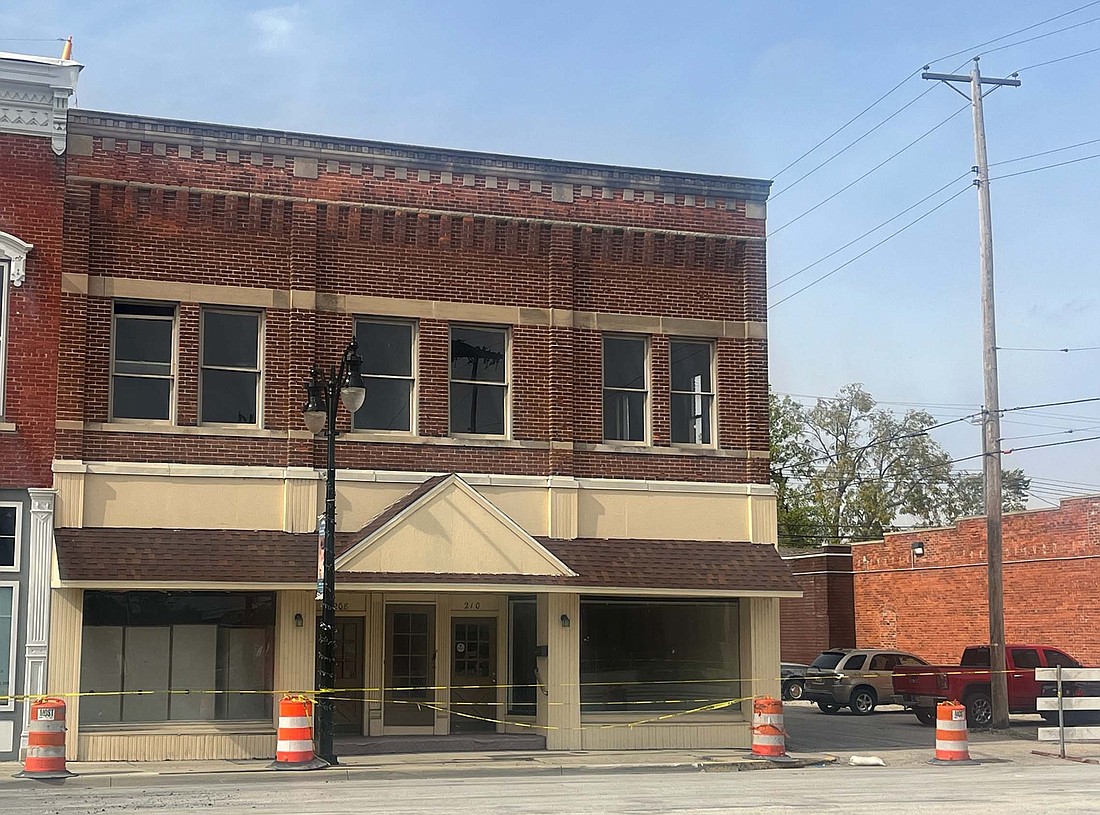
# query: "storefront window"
{"points": [[196, 656], [522, 698], [639, 656]]}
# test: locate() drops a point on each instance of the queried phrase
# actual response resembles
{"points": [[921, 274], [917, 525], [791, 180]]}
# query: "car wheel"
{"points": [[863, 701], [794, 689], [926, 716], [979, 711], [828, 707]]}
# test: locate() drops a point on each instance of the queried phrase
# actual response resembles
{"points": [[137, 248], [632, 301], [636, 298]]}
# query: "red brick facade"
{"points": [[824, 616], [249, 214], [32, 181], [936, 604]]}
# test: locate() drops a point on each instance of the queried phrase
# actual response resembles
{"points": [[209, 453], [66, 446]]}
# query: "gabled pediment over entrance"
{"points": [[450, 529]]}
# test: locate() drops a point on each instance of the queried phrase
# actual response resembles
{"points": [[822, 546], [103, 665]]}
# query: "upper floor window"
{"points": [[625, 388], [142, 363], [479, 380], [230, 387], [9, 537], [692, 398], [387, 351]]}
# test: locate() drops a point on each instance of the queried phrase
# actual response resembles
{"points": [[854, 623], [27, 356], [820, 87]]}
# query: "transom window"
{"points": [[230, 389], [142, 364], [9, 537], [387, 351], [692, 398], [625, 388], [479, 380]]}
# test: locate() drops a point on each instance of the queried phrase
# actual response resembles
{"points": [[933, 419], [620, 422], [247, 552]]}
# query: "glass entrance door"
{"points": [[409, 674], [349, 672], [473, 674]]}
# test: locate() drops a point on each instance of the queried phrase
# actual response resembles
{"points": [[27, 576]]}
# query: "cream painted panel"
{"points": [[562, 670], [185, 503], [671, 736], [301, 498], [69, 511], [358, 502], [525, 505], [764, 519], [175, 746], [66, 625], [451, 532], [294, 647], [760, 648], [664, 515]]}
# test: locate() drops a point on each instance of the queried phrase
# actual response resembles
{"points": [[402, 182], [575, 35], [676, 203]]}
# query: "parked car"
{"points": [[858, 678], [969, 682], [794, 680]]}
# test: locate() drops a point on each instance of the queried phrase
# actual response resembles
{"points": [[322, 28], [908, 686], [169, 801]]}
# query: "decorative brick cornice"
{"points": [[34, 96]]}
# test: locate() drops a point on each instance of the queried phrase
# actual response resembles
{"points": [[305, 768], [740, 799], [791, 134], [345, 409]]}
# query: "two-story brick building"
{"points": [[553, 508], [34, 94]]}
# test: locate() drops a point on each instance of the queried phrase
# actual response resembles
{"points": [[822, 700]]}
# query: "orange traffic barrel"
{"points": [[951, 741], [45, 741], [768, 735], [294, 748]]}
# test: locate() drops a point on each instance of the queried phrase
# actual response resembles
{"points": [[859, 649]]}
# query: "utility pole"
{"points": [[991, 416]]}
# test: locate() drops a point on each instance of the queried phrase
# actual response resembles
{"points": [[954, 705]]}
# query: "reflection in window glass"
{"points": [[7, 633], [176, 641], [638, 655], [479, 387], [625, 392], [522, 698], [387, 351], [692, 397], [230, 366], [141, 361]]}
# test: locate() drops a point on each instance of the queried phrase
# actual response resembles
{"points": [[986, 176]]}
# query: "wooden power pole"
{"points": [[991, 416]]}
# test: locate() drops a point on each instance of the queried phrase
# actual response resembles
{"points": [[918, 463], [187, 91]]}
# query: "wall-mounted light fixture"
{"points": [[298, 621], [918, 548], [564, 620]]}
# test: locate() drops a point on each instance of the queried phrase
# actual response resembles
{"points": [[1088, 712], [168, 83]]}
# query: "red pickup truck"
{"points": [[921, 687]]}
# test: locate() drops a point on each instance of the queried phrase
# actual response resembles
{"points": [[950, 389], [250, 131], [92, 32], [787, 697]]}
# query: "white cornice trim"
{"points": [[34, 96], [16, 252]]}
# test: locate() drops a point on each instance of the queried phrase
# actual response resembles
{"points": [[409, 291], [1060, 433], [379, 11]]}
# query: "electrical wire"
{"points": [[1059, 59], [870, 249], [783, 280], [1046, 152], [1040, 36], [1059, 350], [1050, 444], [1046, 167]]}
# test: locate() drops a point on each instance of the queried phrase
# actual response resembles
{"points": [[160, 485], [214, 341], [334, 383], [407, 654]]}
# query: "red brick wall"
{"points": [[31, 209], [594, 254], [823, 617], [936, 605]]}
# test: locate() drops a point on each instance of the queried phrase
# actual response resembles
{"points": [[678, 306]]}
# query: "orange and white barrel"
{"points": [[294, 748], [46, 740], [768, 735], [951, 740]]}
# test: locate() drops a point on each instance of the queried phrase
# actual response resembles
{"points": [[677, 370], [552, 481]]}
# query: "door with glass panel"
{"points": [[348, 676], [473, 674], [408, 695]]}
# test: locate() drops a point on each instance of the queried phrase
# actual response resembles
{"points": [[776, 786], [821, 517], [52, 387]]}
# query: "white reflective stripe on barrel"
{"points": [[768, 718], [287, 722], [46, 752], [46, 726], [767, 740], [301, 746], [948, 724], [951, 746]]}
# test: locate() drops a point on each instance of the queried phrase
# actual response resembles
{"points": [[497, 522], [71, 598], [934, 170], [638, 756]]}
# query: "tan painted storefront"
{"points": [[429, 595]]}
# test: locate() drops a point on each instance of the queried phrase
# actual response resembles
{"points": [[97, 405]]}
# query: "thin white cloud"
{"points": [[275, 26]]}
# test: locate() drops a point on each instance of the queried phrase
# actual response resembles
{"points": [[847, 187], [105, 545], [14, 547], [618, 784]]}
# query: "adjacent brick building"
{"points": [[824, 616], [935, 604], [553, 508]]}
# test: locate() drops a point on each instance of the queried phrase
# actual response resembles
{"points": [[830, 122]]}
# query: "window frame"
{"points": [[713, 393], [9, 705], [413, 377], [506, 384], [647, 391], [173, 377], [5, 274], [261, 342], [14, 568]]}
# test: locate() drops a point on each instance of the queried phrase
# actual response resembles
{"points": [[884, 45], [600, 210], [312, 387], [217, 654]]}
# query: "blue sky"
{"points": [[738, 88]]}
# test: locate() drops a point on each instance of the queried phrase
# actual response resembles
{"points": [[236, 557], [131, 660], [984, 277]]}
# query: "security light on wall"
{"points": [[918, 548], [564, 620]]}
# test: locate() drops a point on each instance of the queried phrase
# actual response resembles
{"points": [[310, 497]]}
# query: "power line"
{"points": [[1046, 152], [1050, 444], [1060, 59], [870, 249], [1046, 167], [1040, 36], [1059, 350], [973, 48], [868, 232], [1053, 433]]}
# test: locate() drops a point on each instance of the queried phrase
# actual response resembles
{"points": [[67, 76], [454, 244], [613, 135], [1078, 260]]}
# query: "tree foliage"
{"points": [[847, 470]]}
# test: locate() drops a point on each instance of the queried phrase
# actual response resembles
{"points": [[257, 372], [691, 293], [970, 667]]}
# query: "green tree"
{"points": [[966, 496]]}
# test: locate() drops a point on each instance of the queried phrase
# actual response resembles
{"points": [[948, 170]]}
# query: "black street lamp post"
{"points": [[344, 383]]}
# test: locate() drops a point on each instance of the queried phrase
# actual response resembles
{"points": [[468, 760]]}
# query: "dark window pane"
{"points": [[1025, 657], [145, 309], [478, 354], [7, 521], [229, 396], [1056, 658], [136, 398], [624, 416], [477, 409], [230, 339], [143, 341], [7, 546], [7, 556], [690, 418], [386, 348], [522, 650], [388, 405], [690, 366], [624, 363], [854, 663]]}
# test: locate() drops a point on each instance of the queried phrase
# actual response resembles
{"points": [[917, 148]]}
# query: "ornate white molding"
{"points": [[16, 252], [34, 96], [37, 620]]}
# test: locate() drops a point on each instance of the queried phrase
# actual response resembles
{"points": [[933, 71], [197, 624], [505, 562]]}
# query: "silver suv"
{"points": [[859, 678]]}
